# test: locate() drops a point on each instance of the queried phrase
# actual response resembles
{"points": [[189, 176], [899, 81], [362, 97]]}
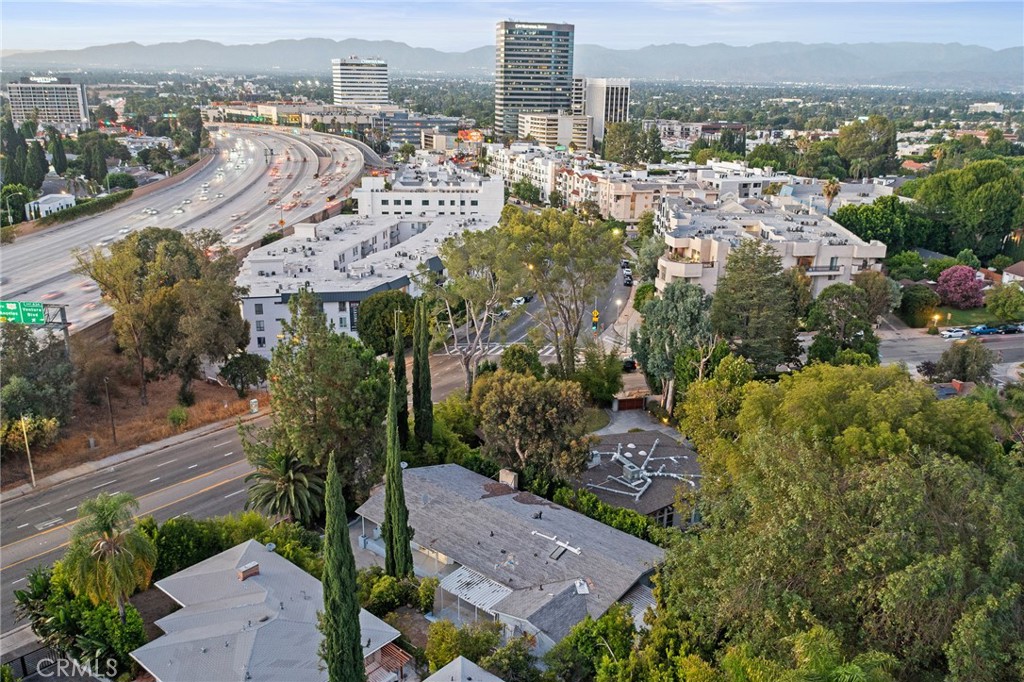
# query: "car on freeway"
{"points": [[205, 185], [236, 216], [186, 201], [220, 195], [235, 239], [125, 229], [50, 295], [179, 210], [239, 228], [204, 198], [984, 330], [954, 333], [1009, 328]]}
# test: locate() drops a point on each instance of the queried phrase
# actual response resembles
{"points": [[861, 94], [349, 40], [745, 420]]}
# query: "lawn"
{"points": [[952, 317], [596, 418]]}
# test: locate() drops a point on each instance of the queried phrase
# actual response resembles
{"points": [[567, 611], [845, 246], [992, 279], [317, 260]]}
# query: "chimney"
{"points": [[509, 478], [958, 385], [248, 570]]}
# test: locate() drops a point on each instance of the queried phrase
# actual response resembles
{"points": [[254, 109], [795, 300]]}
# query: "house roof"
{"points": [[1017, 269], [559, 565], [462, 670], [260, 628], [664, 465]]}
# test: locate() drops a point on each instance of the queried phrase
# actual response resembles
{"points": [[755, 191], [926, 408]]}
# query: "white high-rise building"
{"points": [[52, 101], [533, 71], [360, 82], [606, 100]]}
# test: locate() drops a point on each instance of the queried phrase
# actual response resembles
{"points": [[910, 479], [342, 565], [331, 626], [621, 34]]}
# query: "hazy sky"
{"points": [[457, 26]]}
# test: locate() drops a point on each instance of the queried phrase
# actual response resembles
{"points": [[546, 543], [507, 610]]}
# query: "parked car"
{"points": [[624, 264], [627, 272], [1009, 329], [954, 333], [627, 281], [629, 365], [984, 330]]}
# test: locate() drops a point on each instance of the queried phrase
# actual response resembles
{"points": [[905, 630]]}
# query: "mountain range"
{"points": [[941, 65]]}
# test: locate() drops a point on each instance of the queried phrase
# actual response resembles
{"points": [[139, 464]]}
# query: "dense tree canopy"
{"points": [[895, 223]]}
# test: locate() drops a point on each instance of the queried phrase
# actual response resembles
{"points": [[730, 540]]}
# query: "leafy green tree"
{"points": [[513, 662], [883, 295], [568, 263], [422, 399], [285, 486], [446, 642], [643, 295], [406, 150], [36, 378], [1000, 262], [328, 392], [13, 198], [16, 171], [522, 358], [906, 265], [651, 249], [966, 360], [798, 283], [936, 266], [651, 150], [1005, 302], [122, 180], [340, 648], [556, 200], [108, 558], [243, 370], [527, 191], [840, 316], [753, 307], [967, 257], [677, 320], [528, 422], [377, 319], [624, 143], [577, 657], [645, 225], [897, 224], [918, 305], [599, 374], [395, 530], [871, 143]]}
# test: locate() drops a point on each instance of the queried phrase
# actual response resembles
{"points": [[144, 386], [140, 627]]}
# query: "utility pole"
{"points": [[31, 470], [110, 410]]}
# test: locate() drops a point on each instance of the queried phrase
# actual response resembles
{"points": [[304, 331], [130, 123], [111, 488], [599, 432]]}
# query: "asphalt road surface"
{"points": [[916, 347], [201, 477]]}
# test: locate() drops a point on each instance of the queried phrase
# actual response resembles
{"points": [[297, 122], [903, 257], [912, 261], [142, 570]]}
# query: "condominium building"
{"points": [[557, 130], [533, 71], [360, 82], [52, 101], [430, 190], [606, 100], [698, 241]]}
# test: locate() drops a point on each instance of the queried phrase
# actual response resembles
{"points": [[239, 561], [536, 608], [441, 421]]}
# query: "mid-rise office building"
{"points": [[606, 100], [358, 82], [52, 101], [533, 71], [557, 130]]}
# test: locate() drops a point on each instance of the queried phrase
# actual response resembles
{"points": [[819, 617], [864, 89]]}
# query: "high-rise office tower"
{"points": [[359, 82], [52, 101], [533, 71], [606, 100]]}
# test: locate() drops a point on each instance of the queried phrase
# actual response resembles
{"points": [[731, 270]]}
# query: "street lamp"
{"points": [[7, 200], [935, 320]]}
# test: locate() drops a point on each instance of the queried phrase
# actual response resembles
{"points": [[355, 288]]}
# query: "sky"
{"points": [[458, 26]]}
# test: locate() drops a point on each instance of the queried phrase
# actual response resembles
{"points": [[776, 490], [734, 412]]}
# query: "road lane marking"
{"points": [[237, 492], [70, 509], [141, 497], [38, 506], [15, 582], [151, 511], [154, 480], [22, 526], [228, 454], [168, 462], [227, 442], [193, 466], [46, 524], [96, 487]]}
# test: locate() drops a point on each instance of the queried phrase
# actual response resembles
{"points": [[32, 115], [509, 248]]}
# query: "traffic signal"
{"points": [[595, 317]]}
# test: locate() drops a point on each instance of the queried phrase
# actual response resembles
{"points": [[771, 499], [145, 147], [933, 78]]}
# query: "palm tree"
{"points": [[859, 168], [285, 486], [109, 557], [830, 190]]}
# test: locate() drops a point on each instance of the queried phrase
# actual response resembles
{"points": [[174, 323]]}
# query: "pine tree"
{"points": [[401, 386], [340, 649], [423, 406], [395, 529]]}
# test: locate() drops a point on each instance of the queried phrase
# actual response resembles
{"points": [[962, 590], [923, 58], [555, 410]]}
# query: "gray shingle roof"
{"points": [[505, 535], [462, 670], [263, 626]]}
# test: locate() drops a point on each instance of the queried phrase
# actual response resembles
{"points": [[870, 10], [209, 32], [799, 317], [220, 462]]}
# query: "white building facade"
{"points": [[47, 204], [561, 129], [55, 101], [359, 82], [605, 100]]}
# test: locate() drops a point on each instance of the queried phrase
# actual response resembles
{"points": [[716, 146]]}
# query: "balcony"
{"points": [[815, 270]]}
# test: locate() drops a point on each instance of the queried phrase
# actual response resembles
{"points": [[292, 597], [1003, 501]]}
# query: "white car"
{"points": [[186, 201], [204, 198], [220, 195], [955, 333], [179, 210], [125, 230], [235, 239]]}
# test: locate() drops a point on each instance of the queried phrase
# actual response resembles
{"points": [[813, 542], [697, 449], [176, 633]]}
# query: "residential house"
{"points": [[1014, 273], [508, 556], [462, 670], [249, 614]]}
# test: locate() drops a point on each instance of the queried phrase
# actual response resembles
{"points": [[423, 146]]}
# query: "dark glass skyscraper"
{"points": [[533, 71]]}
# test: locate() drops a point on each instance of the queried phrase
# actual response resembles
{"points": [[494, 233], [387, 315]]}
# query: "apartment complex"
{"points": [[52, 101], [605, 100], [557, 130], [359, 82], [699, 238], [345, 259], [533, 71]]}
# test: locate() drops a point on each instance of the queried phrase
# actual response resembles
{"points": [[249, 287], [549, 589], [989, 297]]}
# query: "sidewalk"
{"points": [[91, 467]]}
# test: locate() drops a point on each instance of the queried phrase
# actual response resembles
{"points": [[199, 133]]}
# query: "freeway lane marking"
{"points": [[22, 526], [38, 506], [228, 454], [142, 497], [70, 509], [237, 492], [95, 487], [151, 511], [193, 466], [168, 462], [154, 480], [15, 582], [46, 524], [227, 442]]}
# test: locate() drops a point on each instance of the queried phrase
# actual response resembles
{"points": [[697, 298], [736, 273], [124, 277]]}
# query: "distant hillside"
{"points": [[908, 64]]}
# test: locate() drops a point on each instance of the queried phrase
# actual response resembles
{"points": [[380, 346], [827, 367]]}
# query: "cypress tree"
{"points": [[14, 171], [60, 157], [35, 166], [423, 406], [340, 649], [401, 385], [395, 529]]}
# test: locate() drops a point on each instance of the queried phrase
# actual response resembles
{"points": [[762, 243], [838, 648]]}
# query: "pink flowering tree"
{"points": [[959, 288]]}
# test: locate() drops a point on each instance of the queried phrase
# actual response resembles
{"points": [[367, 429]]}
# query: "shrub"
{"points": [[445, 642], [958, 287], [918, 305], [385, 596], [182, 542], [426, 593], [8, 234], [644, 293], [83, 208], [177, 416], [626, 520], [366, 578]]}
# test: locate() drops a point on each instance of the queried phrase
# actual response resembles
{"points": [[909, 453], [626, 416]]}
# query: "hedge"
{"points": [[97, 205]]}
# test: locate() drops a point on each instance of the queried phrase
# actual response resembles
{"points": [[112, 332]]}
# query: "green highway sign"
{"points": [[22, 312]]}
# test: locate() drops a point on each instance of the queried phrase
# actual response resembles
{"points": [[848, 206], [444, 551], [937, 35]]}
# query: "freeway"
{"points": [[202, 477], [242, 194], [913, 346]]}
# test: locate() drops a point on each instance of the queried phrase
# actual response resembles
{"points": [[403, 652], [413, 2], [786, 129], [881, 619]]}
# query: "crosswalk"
{"points": [[494, 349]]}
